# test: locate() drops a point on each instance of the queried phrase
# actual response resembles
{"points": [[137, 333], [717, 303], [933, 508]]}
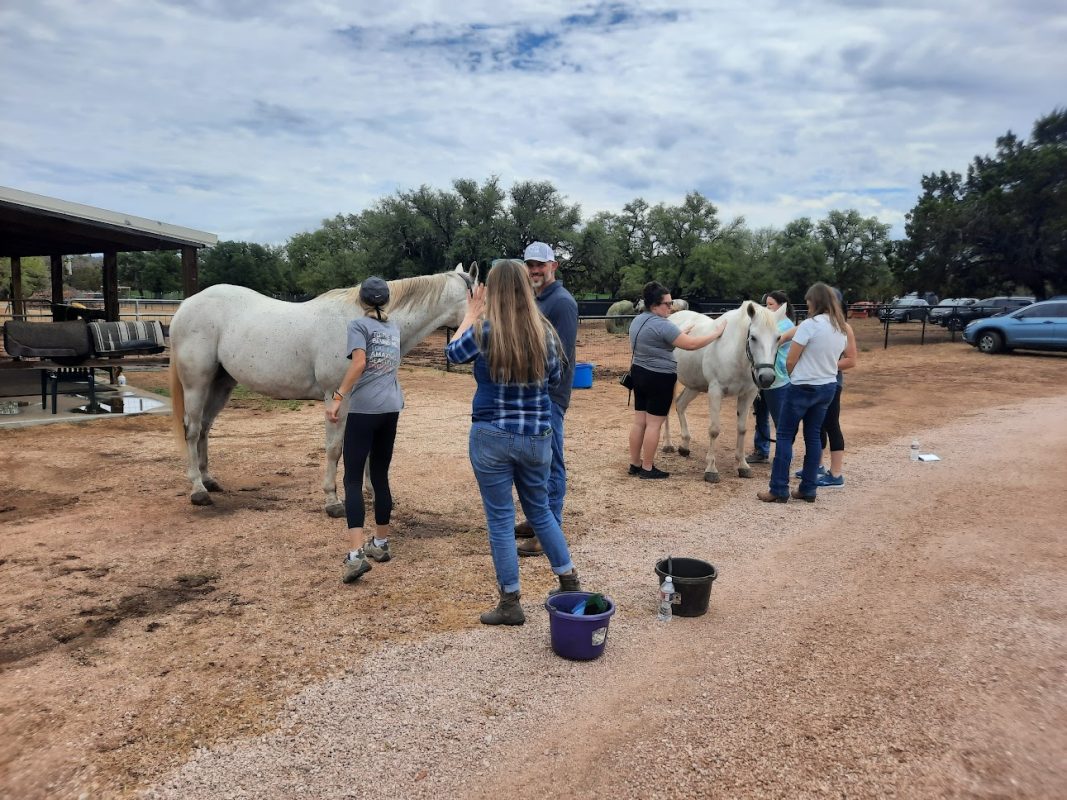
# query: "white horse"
{"points": [[227, 335], [740, 363]]}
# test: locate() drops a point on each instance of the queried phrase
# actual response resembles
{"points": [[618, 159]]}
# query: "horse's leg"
{"points": [[196, 397], [680, 405], [335, 438], [711, 471], [665, 434], [218, 395], [744, 405]]}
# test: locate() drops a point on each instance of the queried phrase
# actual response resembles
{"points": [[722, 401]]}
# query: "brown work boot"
{"points": [[568, 582], [807, 498], [507, 611], [771, 497], [529, 547], [524, 530]]}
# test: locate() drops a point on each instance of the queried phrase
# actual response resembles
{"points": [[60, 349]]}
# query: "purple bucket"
{"points": [[577, 636]]}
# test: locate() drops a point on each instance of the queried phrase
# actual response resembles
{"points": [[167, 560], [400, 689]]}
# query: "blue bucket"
{"points": [[577, 636], [583, 375]]}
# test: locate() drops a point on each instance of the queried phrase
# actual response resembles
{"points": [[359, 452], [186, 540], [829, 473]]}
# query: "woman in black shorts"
{"points": [[653, 338]]}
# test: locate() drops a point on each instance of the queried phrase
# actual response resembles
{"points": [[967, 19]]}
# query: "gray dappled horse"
{"points": [[227, 335]]}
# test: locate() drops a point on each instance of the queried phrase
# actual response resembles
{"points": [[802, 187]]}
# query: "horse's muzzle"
{"points": [[765, 378]]}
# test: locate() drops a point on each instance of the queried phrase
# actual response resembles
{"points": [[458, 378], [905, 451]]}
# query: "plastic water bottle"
{"points": [[666, 596], [915, 450]]}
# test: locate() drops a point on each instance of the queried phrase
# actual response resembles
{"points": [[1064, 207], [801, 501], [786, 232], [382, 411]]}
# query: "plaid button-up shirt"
{"points": [[518, 408]]}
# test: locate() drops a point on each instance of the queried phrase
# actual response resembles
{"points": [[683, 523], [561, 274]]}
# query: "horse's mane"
{"points": [[403, 292]]}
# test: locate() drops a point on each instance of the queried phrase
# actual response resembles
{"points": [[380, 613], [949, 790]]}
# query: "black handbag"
{"points": [[626, 379]]}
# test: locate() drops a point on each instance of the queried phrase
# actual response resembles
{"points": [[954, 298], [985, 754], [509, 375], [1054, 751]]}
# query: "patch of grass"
{"points": [[163, 390], [243, 397]]}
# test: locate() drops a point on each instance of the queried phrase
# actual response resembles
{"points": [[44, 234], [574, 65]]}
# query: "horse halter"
{"points": [[754, 366]]}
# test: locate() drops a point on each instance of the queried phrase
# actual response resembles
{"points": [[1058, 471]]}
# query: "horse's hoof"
{"points": [[335, 510], [212, 485], [201, 499], [684, 452], [668, 449], [711, 477], [746, 473]]}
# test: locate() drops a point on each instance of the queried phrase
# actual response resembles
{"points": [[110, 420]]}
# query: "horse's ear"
{"points": [[779, 313], [751, 308], [474, 272]]}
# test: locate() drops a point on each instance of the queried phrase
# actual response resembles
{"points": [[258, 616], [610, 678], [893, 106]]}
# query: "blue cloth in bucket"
{"points": [[578, 637], [583, 375]]}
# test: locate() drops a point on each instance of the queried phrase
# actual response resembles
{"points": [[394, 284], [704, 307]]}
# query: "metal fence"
{"points": [[41, 310]]}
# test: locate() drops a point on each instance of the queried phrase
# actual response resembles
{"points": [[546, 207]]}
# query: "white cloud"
{"points": [[255, 120]]}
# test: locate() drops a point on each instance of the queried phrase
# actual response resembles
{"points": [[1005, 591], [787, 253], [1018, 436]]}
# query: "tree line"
{"points": [[1002, 228]]}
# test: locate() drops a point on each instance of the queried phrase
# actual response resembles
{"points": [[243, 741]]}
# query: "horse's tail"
{"points": [[177, 406]]}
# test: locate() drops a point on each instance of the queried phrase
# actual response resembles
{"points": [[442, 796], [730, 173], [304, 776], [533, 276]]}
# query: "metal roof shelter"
{"points": [[35, 225]]}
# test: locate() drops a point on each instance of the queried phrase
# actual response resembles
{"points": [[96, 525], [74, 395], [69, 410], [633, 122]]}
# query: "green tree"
{"points": [[328, 258], [87, 276], [1018, 208], [539, 213], [594, 262], [1003, 227], [483, 231], [36, 276], [676, 232], [932, 253], [855, 247], [797, 259], [151, 273], [244, 264]]}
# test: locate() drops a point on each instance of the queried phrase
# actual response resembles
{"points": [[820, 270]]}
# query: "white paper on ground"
{"points": [[928, 457]]}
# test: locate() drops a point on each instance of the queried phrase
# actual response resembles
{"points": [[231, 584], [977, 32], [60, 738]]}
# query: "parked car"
{"points": [[942, 311], [960, 316], [1037, 326], [862, 309], [905, 309], [929, 297]]}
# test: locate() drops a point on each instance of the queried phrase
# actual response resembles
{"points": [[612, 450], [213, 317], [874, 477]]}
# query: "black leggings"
{"points": [[831, 426], [370, 435]]}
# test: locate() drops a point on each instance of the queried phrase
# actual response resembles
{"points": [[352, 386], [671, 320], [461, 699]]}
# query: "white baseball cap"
{"points": [[538, 251]]}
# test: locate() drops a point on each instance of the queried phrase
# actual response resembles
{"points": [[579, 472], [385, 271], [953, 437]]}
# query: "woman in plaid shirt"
{"points": [[516, 363]]}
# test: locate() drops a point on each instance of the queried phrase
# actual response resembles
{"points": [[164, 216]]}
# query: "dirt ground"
{"points": [[902, 637]]}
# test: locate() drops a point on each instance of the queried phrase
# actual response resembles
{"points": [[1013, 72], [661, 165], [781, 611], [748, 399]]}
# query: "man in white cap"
{"points": [[560, 308]]}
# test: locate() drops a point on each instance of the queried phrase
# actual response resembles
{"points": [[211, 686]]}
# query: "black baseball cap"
{"points": [[374, 291]]}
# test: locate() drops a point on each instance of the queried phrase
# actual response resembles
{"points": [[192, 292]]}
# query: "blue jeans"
{"points": [[501, 460], [768, 407], [557, 476], [808, 404]]}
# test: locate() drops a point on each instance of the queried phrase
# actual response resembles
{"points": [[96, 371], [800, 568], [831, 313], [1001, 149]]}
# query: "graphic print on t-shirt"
{"points": [[383, 351]]}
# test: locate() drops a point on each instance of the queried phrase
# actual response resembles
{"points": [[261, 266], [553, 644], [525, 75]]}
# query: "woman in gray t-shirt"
{"points": [[374, 403], [653, 338]]}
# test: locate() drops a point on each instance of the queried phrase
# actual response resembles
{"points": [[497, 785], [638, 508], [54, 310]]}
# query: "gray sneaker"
{"points": [[379, 554], [353, 570]]}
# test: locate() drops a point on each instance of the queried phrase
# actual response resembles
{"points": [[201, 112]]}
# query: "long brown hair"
{"points": [[822, 300], [519, 335]]}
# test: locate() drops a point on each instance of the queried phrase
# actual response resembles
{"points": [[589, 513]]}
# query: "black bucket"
{"points": [[692, 580]]}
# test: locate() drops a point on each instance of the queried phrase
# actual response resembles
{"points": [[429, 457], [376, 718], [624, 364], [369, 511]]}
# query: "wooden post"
{"points": [[57, 282], [190, 278], [18, 305], [111, 285]]}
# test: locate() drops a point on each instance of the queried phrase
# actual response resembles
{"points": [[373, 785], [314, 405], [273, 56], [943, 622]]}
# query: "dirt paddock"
{"points": [[903, 636]]}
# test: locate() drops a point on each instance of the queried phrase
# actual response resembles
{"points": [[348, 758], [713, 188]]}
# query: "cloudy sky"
{"points": [[256, 119]]}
